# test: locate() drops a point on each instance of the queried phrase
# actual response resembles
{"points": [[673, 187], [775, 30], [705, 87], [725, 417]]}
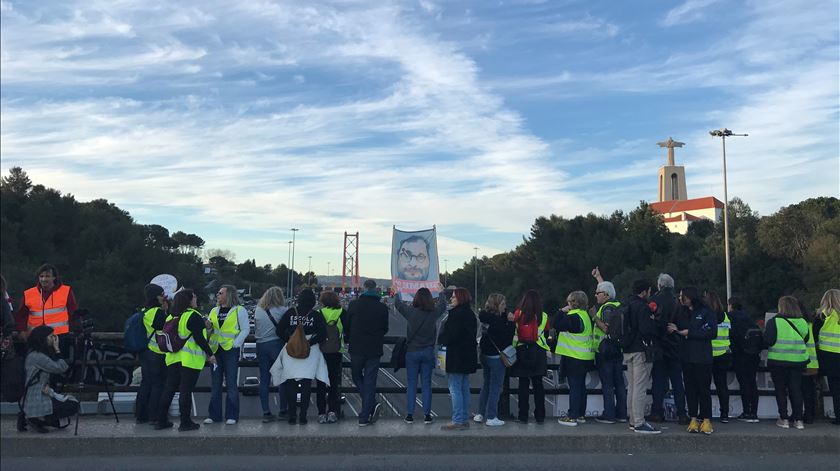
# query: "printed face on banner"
{"points": [[414, 262], [413, 259]]}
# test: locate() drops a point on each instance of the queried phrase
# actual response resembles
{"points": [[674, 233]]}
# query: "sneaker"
{"points": [[364, 423], [706, 427], [693, 426], [209, 421], [743, 418], [282, 415], [478, 418], [683, 420], [332, 418], [604, 420], [164, 425], [267, 417], [303, 420], [38, 425], [655, 418], [581, 420], [186, 427], [522, 421], [141, 421], [724, 418], [375, 415], [753, 419], [567, 421], [230, 422], [783, 423], [428, 419], [409, 419], [322, 418], [496, 422], [798, 425], [646, 428], [454, 427]]}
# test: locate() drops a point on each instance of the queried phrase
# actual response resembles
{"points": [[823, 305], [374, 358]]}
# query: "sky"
{"points": [[237, 121]]}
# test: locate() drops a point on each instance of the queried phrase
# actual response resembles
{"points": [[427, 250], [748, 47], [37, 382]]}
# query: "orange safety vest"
{"points": [[52, 312]]}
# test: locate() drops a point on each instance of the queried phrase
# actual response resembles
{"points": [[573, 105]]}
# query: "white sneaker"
{"points": [[230, 422], [208, 420], [478, 418], [494, 422]]}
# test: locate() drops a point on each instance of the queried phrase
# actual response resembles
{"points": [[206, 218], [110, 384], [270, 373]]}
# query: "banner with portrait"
{"points": [[414, 262]]}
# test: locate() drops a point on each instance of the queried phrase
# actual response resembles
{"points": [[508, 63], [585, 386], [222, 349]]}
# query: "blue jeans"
{"points": [[267, 353], [365, 370], [575, 371], [665, 370], [491, 389], [459, 390], [422, 362], [613, 388], [228, 367], [153, 368]]}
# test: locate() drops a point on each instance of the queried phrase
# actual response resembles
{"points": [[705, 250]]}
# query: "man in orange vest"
{"points": [[48, 303]]}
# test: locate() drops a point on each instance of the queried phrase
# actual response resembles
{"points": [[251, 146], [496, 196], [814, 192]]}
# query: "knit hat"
{"points": [[151, 292]]}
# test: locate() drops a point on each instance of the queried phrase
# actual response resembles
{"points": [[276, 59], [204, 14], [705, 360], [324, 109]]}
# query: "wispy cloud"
{"points": [[688, 12]]}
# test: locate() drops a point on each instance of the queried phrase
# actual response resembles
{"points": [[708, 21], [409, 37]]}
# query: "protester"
{"points": [[52, 303], [697, 324], [332, 347], [458, 335], [667, 369], [640, 333], [152, 359], [367, 324], [42, 410], [421, 330], [269, 312], [746, 347], [184, 366], [811, 372], [531, 362], [574, 345], [230, 329], [786, 335], [607, 327], [296, 374], [721, 353], [828, 345], [498, 336]]}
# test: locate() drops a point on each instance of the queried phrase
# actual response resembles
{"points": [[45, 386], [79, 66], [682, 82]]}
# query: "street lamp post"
{"points": [[288, 272], [475, 264], [309, 272], [292, 283], [446, 271], [723, 134]]}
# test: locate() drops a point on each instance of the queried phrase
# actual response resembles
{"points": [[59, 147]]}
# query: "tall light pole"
{"points": [[723, 134], [309, 272], [292, 289], [446, 271], [328, 268], [475, 264], [288, 272]]}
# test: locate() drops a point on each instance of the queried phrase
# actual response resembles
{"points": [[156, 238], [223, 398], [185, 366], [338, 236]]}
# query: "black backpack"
{"points": [[753, 342]]}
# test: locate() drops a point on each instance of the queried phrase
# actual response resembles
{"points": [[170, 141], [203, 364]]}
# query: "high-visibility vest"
{"points": [[790, 341], [597, 333], [829, 340], [577, 345], [540, 333], [52, 312], [191, 355], [224, 335], [148, 319], [720, 344], [813, 362]]}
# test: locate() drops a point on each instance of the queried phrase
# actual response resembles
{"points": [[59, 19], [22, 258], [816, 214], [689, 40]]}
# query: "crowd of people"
{"points": [[682, 341]]}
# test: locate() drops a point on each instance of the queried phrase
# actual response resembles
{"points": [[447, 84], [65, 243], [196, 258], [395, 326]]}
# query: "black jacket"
{"points": [[499, 329], [666, 308], [640, 325], [741, 322], [702, 328], [367, 324], [313, 324], [458, 335]]}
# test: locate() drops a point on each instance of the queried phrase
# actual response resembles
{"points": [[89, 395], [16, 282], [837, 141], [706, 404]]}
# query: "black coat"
{"points": [[499, 329], [367, 324], [702, 328], [458, 335], [641, 325], [666, 309]]}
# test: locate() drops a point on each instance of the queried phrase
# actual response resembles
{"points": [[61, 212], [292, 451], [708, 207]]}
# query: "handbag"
{"points": [[401, 348], [507, 356], [653, 352], [298, 346]]}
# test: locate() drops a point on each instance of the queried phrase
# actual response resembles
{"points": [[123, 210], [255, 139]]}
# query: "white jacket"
{"points": [[312, 367]]}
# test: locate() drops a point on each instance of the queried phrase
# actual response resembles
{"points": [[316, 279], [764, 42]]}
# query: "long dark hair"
{"points": [[531, 306], [182, 301], [713, 301], [692, 294], [423, 300], [37, 340], [305, 301]]}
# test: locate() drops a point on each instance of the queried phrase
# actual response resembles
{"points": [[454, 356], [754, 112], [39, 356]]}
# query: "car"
{"points": [[249, 351], [251, 386]]}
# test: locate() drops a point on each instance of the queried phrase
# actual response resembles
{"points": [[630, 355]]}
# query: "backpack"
{"points": [[298, 346], [167, 337], [135, 339], [753, 341], [622, 318], [332, 344]]}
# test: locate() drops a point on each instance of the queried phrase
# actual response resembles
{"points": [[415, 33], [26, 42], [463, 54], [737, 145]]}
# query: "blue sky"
{"points": [[239, 120]]}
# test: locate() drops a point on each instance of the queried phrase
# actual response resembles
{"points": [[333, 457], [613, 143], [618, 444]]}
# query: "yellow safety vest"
{"points": [[577, 345], [790, 341], [224, 335], [829, 340], [190, 355], [720, 344], [540, 333], [813, 362], [332, 316], [148, 319], [597, 333]]}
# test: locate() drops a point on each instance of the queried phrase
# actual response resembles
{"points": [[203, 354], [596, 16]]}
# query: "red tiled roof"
{"points": [[683, 217], [695, 204]]}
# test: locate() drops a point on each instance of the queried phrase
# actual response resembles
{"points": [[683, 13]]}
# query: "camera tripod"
{"points": [[87, 344]]}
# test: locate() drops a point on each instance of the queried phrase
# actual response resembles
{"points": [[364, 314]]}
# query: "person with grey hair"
{"points": [[608, 359], [668, 368], [231, 327]]}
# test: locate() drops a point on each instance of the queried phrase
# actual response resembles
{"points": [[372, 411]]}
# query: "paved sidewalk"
{"points": [[102, 436]]}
